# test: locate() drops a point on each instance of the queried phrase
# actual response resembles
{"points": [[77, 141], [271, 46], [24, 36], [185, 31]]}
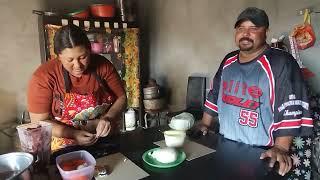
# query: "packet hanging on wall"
{"points": [[303, 33]]}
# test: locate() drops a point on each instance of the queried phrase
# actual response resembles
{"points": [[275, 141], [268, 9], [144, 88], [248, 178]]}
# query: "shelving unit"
{"points": [[126, 59]]}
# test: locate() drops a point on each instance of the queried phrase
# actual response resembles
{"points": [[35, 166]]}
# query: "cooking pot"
{"points": [[154, 104], [15, 165], [102, 10], [151, 92]]}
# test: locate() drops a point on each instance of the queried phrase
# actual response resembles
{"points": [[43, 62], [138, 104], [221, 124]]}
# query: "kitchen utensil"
{"points": [[154, 104], [151, 92], [15, 165]]}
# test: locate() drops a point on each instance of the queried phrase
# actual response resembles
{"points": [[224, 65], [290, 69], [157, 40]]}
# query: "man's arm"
{"points": [[204, 125], [284, 142], [279, 153]]}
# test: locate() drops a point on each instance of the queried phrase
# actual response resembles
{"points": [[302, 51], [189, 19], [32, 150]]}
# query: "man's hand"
{"points": [[84, 138], [199, 129], [103, 128], [278, 154]]}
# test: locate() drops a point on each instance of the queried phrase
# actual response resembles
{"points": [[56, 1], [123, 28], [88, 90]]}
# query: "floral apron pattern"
{"points": [[78, 108]]}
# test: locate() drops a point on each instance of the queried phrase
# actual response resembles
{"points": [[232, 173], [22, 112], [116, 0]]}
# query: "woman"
{"points": [[80, 93]]}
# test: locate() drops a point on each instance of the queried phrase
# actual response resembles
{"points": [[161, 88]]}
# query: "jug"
{"points": [[35, 138]]}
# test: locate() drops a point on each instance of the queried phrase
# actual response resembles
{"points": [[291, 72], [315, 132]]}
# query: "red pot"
{"points": [[102, 10]]}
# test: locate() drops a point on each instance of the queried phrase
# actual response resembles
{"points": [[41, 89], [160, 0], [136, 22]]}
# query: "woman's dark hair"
{"points": [[70, 36]]}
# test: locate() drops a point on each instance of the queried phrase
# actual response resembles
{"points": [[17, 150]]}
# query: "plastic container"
{"points": [[174, 138], [83, 173]]}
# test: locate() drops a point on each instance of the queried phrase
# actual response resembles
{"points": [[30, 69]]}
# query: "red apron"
{"points": [[78, 108]]}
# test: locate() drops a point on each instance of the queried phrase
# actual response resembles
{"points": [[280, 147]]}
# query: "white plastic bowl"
{"points": [[182, 122], [86, 172], [174, 138]]}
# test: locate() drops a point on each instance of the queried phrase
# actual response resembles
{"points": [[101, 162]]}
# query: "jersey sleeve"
{"points": [[292, 116], [210, 105]]}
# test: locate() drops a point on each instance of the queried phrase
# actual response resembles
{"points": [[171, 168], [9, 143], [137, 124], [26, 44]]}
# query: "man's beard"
{"points": [[246, 47]]}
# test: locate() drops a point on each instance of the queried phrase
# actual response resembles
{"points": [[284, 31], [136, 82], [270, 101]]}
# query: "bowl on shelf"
{"points": [[102, 10], [81, 14]]}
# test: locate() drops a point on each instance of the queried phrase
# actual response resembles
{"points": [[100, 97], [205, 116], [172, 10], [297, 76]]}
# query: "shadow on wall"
{"points": [[8, 108]]}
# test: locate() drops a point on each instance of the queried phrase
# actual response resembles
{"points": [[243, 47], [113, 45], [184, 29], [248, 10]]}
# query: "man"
{"points": [[258, 93]]}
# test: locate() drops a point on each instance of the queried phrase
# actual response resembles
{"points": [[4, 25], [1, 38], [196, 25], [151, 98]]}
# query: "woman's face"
{"points": [[75, 60]]}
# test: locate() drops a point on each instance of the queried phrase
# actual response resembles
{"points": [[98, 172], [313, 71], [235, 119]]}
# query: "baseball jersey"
{"points": [[260, 100]]}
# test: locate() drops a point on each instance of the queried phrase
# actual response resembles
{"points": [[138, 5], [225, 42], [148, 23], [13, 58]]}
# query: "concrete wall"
{"points": [[19, 54], [186, 37]]}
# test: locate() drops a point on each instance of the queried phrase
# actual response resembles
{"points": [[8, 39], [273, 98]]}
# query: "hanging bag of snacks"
{"points": [[303, 33]]}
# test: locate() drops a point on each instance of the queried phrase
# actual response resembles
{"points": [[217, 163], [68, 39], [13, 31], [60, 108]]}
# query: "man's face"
{"points": [[249, 37], [75, 60]]}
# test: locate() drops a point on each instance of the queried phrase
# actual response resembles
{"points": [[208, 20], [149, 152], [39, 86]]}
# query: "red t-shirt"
{"points": [[46, 87]]}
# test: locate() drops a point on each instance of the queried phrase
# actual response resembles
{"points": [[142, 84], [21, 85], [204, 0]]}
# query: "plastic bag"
{"points": [[303, 33]]}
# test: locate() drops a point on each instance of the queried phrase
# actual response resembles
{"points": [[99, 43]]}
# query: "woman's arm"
{"points": [[110, 121], [58, 129], [116, 109], [62, 130]]}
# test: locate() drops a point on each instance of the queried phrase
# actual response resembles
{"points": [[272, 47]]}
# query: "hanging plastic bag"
{"points": [[303, 33]]}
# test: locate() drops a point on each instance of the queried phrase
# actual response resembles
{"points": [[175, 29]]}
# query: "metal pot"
{"points": [[151, 92], [15, 165], [154, 104]]}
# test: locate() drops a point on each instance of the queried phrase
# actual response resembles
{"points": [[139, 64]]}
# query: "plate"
{"points": [[181, 156]]}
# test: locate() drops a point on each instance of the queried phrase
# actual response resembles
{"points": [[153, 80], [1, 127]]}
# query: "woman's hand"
{"points": [[84, 138], [103, 128]]}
